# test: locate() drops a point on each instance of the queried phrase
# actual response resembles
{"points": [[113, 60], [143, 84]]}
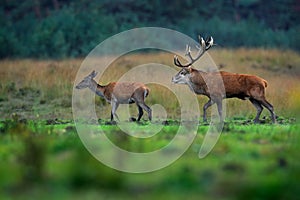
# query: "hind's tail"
{"points": [[146, 92]]}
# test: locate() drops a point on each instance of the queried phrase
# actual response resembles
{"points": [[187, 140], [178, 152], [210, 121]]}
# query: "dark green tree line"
{"points": [[71, 28]]}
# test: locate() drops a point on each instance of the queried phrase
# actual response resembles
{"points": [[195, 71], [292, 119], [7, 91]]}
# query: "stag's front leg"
{"points": [[205, 107], [220, 110]]}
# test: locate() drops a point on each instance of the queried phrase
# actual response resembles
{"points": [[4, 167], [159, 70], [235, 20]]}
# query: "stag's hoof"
{"points": [[205, 122], [256, 121], [141, 122]]}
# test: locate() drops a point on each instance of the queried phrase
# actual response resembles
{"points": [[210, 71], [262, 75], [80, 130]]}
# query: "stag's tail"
{"points": [[266, 83]]}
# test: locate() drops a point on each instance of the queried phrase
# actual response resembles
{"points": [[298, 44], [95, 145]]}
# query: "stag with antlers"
{"points": [[220, 85]]}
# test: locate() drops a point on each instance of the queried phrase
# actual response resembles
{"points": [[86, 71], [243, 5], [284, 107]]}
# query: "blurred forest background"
{"points": [[72, 28]]}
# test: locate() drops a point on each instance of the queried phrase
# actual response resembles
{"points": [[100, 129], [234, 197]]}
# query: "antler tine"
{"points": [[188, 53], [209, 42], [201, 48], [178, 63], [187, 49], [204, 46]]}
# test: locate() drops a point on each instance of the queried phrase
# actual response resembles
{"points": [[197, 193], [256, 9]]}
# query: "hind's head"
{"points": [[87, 81]]}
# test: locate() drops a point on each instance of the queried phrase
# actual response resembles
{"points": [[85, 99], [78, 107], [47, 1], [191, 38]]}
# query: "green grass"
{"points": [[248, 162]]}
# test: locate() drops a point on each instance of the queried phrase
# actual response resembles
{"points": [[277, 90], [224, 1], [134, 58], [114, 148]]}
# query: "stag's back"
{"points": [[242, 85]]}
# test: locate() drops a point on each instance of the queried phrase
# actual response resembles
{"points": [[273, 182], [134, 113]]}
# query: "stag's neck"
{"points": [[197, 82], [97, 88]]}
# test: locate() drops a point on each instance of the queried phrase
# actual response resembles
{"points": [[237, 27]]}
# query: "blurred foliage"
{"points": [[47, 160], [65, 28]]}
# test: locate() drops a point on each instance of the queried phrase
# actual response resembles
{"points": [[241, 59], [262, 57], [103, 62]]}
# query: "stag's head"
{"points": [[87, 81], [183, 76]]}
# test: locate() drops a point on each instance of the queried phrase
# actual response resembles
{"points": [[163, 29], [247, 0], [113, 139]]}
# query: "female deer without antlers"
{"points": [[119, 93], [242, 86]]}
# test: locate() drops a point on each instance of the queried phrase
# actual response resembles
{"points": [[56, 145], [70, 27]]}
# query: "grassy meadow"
{"points": [[41, 155]]}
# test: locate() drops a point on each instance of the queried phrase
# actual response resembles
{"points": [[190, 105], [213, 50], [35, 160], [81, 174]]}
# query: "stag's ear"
{"points": [[189, 69]]}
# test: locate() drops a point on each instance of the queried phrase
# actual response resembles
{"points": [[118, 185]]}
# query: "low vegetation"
{"points": [[33, 88], [249, 162]]}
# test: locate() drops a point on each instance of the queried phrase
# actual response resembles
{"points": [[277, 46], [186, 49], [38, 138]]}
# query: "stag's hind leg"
{"points": [[269, 106], [258, 107]]}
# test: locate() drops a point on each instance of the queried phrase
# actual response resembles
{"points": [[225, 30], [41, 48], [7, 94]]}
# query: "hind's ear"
{"points": [[93, 74]]}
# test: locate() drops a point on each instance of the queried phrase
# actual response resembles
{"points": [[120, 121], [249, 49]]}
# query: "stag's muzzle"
{"points": [[173, 80]]}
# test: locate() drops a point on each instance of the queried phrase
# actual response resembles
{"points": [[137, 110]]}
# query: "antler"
{"points": [[204, 46]]}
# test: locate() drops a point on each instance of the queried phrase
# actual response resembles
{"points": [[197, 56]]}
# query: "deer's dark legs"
{"points": [[258, 107], [147, 109], [114, 106], [220, 109], [269, 106], [141, 112], [207, 105]]}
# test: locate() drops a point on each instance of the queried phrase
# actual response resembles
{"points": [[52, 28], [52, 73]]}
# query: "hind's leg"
{"points": [[147, 109], [140, 112], [113, 115]]}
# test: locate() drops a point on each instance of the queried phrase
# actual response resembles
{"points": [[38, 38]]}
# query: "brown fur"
{"points": [[220, 85], [124, 91], [117, 93]]}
